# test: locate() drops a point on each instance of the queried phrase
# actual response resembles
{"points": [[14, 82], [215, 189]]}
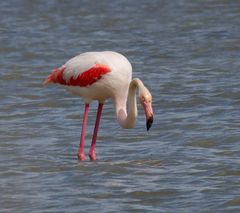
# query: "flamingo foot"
{"points": [[81, 156], [92, 155]]}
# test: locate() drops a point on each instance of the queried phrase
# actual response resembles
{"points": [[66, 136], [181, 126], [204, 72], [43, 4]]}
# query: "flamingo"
{"points": [[99, 76]]}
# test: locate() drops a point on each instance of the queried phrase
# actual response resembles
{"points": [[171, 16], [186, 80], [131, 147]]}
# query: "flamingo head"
{"points": [[146, 101]]}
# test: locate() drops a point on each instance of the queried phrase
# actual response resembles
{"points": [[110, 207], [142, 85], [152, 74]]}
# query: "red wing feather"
{"points": [[84, 79]]}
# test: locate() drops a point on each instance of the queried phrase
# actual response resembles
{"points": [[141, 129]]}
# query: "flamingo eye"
{"points": [[146, 98], [141, 98]]}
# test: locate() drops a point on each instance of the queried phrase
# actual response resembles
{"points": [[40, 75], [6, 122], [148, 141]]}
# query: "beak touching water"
{"points": [[147, 106]]}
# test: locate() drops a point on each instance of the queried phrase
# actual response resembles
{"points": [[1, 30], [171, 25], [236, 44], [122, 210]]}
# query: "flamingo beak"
{"points": [[147, 106]]}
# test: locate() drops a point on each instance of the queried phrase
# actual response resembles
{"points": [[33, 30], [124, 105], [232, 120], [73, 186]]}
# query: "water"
{"points": [[186, 52]]}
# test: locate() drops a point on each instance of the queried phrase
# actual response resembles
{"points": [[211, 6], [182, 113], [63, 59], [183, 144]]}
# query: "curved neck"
{"points": [[127, 118]]}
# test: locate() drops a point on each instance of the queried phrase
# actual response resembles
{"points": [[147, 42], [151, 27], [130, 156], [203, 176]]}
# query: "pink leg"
{"points": [[81, 155], [92, 154]]}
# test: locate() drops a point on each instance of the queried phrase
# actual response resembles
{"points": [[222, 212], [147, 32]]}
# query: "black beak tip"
{"points": [[149, 123]]}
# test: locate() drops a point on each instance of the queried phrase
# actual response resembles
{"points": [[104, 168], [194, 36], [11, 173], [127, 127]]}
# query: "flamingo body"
{"points": [[94, 75], [99, 76]]}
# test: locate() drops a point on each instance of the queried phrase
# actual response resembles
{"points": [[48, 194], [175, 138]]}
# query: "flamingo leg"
{"points": [[92, 153], [81, 155]]}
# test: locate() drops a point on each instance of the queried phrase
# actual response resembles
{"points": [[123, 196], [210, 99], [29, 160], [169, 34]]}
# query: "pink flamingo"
{"points": [[99, 76]]}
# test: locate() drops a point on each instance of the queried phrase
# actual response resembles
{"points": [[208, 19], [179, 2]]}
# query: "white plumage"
{"points": [[110, 85]]}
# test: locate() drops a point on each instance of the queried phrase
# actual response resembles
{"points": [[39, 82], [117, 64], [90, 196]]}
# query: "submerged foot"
{"points": [[81, 156], [92, 155]]}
